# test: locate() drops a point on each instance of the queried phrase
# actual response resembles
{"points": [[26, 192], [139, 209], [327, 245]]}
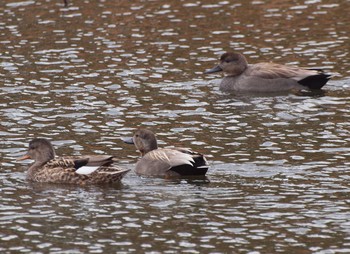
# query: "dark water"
{"points": [[86, 75]]}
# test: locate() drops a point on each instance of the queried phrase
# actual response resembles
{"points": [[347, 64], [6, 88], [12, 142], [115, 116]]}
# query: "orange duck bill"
{"points": [[24, 157]]}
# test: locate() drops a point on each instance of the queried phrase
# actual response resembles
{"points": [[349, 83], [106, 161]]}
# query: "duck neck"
{"points": [[150, 146]]}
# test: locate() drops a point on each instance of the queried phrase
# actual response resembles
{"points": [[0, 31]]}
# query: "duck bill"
{"points": [[24, 157], [128, 140], [213, 70]]}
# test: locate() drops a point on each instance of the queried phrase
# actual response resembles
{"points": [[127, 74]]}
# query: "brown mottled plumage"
{"points": [[47, 168], [165, 162], [265, 77]]}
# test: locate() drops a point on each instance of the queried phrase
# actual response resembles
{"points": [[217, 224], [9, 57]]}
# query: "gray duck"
{"points": [[165, 162], [265, 77]]}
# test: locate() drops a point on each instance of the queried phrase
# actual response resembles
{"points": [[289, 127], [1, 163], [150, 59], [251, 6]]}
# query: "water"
{"points": [[86, 75]]}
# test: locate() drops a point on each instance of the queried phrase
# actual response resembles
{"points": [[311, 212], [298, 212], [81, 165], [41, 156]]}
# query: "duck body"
{"points": [[266, 77], [73, 170], [165, 162]]}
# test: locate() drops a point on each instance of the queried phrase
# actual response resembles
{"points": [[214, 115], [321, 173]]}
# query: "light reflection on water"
{"points": [[236, 208], [86, 75]]}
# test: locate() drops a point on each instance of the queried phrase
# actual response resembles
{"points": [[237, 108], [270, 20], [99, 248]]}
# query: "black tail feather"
{"points": [[200, 167], [187, 170], [316, 81]]}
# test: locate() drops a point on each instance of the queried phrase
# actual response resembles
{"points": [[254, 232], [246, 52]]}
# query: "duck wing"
{"points": [[172, 162], [88, 160], [272, 71], [81, 165], [80, 170], [66, 163], [171, 157], [311, 78]]}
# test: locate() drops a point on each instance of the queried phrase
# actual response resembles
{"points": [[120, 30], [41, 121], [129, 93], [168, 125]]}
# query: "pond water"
{"points": [[88, 74]]}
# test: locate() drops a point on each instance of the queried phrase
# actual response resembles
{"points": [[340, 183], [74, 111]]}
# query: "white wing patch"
{"points": [[86, 170]]}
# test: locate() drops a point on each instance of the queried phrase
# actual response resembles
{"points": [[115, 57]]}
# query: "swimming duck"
{"points": [[77, 170], [165, 162], [265, 77]]}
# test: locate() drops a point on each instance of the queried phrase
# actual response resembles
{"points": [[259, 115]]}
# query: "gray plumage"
{"points": [[265, 77], [165, 162]]}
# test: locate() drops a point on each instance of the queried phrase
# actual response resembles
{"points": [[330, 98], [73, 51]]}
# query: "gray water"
{"points": [[86, 75]]}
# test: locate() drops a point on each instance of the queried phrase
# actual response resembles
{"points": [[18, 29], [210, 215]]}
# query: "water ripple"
{"points": [[87, 74]]}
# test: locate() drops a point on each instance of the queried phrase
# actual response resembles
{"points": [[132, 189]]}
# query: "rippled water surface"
{"points": [[85, 75]]}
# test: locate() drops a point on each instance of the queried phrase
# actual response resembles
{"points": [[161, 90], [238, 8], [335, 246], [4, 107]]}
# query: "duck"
{"points": [[81, 170], [165, 162], [265, 77]]}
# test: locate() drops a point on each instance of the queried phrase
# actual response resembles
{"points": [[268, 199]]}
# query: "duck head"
{"points": [[231, 63], [40, 150], [144, 141]]}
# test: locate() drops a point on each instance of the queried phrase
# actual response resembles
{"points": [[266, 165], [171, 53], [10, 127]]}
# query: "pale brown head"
{"points": [[231, 63], [40, 150], [144, 140]]}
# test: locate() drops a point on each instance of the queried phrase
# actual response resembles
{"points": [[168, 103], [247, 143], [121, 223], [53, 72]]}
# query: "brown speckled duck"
{"points": [[75, 170], [165, 162], [265, 77]]}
